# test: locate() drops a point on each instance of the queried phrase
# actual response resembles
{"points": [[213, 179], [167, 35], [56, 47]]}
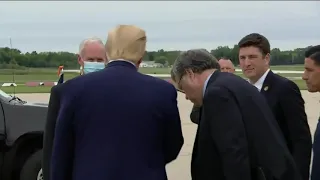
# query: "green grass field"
{"points": [[43, 74], [26, 89], [40, 75]]}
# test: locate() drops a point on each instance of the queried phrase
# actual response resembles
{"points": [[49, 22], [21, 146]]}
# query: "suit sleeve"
{"points": [[228, 133], [173, 138], [299, 131], [63, 147], [195, 114], [52, 114], [315, 173]]}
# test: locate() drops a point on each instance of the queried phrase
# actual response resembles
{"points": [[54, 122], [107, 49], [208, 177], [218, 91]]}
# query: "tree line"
{"points": [[15, 58]]}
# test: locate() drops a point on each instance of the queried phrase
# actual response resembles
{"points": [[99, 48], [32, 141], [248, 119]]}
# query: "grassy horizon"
{"points": [[22, 76]]}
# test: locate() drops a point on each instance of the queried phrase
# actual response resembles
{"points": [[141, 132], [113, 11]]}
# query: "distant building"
{"points": [[151, 64]]}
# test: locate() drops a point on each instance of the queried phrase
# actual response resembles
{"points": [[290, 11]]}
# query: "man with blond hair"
{"points": [[117, 123]]}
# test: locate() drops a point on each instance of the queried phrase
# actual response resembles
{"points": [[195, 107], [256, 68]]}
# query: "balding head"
{"points": [[126, 42], [226, 65]]}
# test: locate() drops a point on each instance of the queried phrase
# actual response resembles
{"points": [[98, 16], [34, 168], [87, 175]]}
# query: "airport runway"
{"points": [[180, 168]]}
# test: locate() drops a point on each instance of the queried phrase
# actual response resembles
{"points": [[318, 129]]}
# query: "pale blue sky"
{"points": [[60, 26]]}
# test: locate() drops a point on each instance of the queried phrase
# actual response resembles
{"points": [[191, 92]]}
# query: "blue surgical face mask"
{"points": [[92, 66]]}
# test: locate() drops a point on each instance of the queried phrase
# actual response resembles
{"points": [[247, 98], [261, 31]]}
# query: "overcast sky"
{"points": [[60, 26]]}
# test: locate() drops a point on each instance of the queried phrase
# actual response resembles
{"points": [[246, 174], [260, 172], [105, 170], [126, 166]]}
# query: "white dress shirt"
{"points": [[260, 82], [206, 84]]}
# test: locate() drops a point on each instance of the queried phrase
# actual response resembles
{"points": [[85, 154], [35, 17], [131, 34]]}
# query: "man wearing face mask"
{"points": [[91, 57]]}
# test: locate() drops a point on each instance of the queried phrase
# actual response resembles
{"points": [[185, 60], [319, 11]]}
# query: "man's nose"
{"points": [[304, 76], [186, 97], [247, 62]]}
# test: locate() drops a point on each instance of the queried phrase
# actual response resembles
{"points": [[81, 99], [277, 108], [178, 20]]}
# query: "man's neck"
{"points": [[255, 79], [204, 78], [205, 74]]}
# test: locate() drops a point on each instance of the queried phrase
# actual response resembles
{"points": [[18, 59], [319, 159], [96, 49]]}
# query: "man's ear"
{"points": [[233, 70], [189, 73], [139, 62], [267, 58], [80, 61], [108, 58]]}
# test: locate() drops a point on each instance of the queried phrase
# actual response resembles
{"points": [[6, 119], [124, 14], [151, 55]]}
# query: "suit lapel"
{"points": [[267, 84], [213, 77]]}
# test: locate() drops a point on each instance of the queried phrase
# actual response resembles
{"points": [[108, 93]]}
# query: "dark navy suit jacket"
{"points": [[315, 173], [116, 124]]}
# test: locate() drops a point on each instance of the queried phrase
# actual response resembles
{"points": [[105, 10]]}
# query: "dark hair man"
{"points": [[312, 77], [237, 136], [283, 96]]}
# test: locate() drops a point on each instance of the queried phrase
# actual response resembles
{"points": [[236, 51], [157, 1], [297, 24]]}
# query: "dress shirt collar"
{"points": [[206, 84], [123, 60], [260, 82]]}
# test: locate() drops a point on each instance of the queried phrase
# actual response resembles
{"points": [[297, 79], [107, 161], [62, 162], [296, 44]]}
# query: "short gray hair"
{"points": [[197, 60], [89, 41]]}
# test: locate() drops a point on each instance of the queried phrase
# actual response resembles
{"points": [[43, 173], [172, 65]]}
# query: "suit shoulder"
{"points": [[72, 87], [57, 89], [160, 82], [279, 78], [71, 82], [230, 78], [216, 91], [231, 81], [285, 83]]}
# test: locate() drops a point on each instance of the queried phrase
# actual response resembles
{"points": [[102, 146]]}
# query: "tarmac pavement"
{"points": [[180, 168]]}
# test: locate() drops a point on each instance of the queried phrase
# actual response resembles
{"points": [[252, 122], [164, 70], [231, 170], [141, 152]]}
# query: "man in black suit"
{"points": [[283, 96], [312, 77], [91, 52], [237, 137], [226, 65]]}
